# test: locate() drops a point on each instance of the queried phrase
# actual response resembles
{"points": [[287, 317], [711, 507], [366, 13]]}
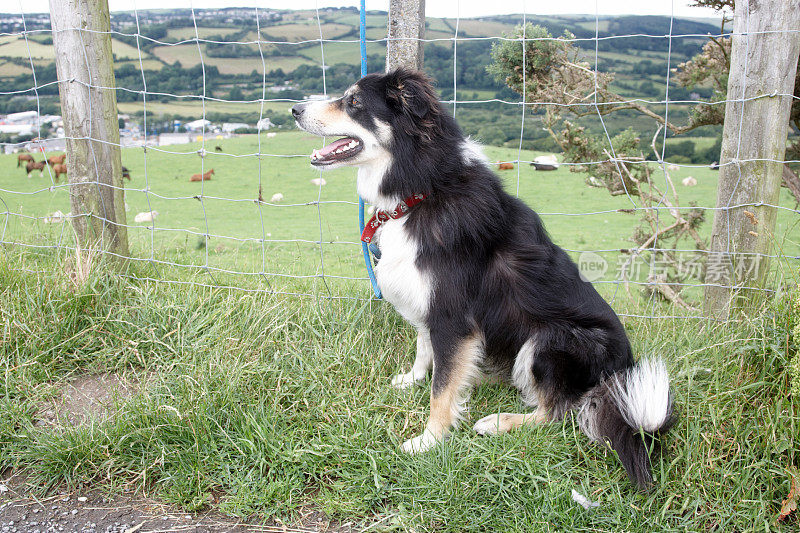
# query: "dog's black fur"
{"points": [[496, 270]]}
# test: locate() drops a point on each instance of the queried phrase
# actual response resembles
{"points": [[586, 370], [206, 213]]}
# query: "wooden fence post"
{"points": [[405, 29], [85, 69], [760, 85]]}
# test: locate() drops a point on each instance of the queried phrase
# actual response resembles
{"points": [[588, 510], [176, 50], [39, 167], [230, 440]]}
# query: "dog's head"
{"points": [[370, 117]]}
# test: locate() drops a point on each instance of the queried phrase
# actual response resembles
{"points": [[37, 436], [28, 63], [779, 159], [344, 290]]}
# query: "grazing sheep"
{"points": [[689, 181], [505, 166], [145, 216], [277, 197], [673, 168], [271, 135], [318, 181]]}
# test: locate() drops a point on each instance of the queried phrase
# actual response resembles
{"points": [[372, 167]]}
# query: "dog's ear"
{"points": [[411, 93]]}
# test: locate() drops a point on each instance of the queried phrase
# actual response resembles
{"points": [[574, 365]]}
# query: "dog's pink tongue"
{"points": [[332, 147]]}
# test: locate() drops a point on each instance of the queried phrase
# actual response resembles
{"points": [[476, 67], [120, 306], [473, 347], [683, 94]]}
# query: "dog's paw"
{"points": [[419, 444], [492, 424], [406, 381]]}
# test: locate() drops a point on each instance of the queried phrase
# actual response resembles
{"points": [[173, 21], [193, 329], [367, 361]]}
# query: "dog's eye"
{"points": [[354, 101]]}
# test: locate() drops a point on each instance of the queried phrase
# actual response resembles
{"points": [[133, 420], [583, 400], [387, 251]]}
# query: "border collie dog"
{"points": [[474, 271]]}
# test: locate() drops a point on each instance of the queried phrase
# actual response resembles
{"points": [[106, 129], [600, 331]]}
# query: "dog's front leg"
{"points": [[422, 363], [454, 373]]}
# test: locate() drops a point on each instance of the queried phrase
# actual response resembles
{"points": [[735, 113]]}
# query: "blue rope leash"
{"points": [[362, 37]]}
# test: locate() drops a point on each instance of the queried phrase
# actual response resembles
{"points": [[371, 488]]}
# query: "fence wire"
{"points": [[324, 260]]}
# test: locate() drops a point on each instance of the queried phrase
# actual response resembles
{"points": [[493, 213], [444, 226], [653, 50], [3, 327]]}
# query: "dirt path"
{"points": [[93, 513], [92, 397]]}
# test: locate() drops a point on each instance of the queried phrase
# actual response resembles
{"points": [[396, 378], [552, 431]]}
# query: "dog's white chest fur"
{"points": [[403, 285]]}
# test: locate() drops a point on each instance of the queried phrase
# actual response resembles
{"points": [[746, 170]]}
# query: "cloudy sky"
{"points": [[434, 8]]}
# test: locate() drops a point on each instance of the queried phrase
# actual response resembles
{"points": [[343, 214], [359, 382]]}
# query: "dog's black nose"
{"points": [[297, 110]]}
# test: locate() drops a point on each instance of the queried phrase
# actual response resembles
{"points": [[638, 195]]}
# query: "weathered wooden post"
{"points": [[760, 86], [86, 86], [406, 28]]}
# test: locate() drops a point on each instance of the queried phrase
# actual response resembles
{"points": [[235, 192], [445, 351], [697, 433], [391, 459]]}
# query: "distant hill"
{"points": [[278, 54]]}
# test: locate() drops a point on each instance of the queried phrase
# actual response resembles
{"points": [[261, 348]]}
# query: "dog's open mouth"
{"points": [[338, 150]]}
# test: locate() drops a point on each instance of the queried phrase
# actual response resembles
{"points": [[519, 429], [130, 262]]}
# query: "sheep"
{"points": [[318, 181], [277, 197], [689, 181], [145, 216]]}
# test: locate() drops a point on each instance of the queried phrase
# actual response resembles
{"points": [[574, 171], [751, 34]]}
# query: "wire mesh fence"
{"points": [[264, 220]]}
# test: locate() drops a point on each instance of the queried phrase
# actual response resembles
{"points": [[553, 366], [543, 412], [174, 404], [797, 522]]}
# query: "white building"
{"points": [[25, 117], [17, 129], [230, 127], [197, 125]]}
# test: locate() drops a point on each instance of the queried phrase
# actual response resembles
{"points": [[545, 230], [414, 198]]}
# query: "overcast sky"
{"points": [[434, 8]]}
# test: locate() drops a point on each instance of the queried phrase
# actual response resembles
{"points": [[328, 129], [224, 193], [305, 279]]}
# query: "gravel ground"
{"points": [[93, 513], [78, 402]]}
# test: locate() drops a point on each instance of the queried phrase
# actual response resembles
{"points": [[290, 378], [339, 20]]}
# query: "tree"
{"points": [[554, 73]]}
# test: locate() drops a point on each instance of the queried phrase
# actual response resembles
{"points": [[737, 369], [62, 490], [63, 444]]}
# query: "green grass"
{"points": [[10, 70], [305, 32], [188, 55], [19, 48], [341, 52], [233, 216], [182, 34], [279, 405]]}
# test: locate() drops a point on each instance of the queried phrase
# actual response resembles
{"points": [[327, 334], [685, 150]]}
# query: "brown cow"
{"points": [[202, 177], [24, 158], [33, 165], [56, 159], [58, 170], [505, 166]]}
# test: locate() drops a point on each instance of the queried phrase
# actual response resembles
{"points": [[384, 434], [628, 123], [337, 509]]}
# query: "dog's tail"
{"points": [[627, 411]]}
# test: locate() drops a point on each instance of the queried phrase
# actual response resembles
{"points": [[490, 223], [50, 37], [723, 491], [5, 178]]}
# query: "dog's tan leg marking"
{"points": [[447, 403], [505, 422], [422, 363]]}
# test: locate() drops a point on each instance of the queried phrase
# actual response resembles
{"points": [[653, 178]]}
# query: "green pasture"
{"points": [[193, 107], [182, 34], [306, 32], [17, 47], [251, 238]]}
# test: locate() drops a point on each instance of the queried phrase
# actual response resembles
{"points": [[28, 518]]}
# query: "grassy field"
{"points": [[182, 34], [188, 55], [193, 107], [265, 405], [342, 52], [305, 32], [19, 48], [237, 224], [270, 407]]}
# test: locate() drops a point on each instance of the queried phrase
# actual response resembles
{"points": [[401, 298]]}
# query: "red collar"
{"points": [[381, 216]]}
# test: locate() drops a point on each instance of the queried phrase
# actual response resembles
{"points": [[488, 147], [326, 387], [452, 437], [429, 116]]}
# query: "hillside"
{"points": [[243, 55]]}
